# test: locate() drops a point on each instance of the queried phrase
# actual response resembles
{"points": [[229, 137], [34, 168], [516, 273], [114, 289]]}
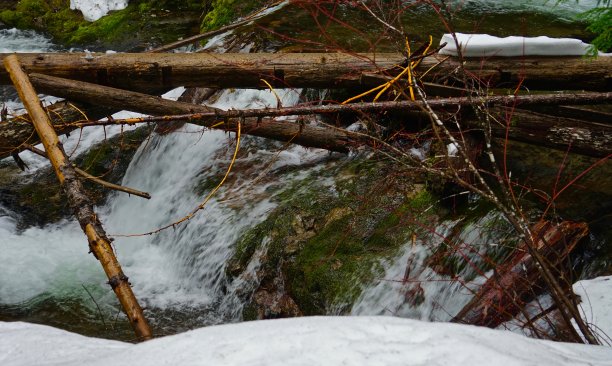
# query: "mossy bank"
{"points": [[143, 24]]}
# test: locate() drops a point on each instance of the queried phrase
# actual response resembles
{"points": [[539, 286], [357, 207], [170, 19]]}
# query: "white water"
{"points": [[184, 268], [440, 296], [179, 268]]}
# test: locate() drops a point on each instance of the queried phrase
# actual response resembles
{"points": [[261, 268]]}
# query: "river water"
{"points": [[179, 275]]}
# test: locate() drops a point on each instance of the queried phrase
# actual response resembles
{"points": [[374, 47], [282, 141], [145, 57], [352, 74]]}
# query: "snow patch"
{"points": [[596, 304], [94, 10], [484, 45], [300, 341]]}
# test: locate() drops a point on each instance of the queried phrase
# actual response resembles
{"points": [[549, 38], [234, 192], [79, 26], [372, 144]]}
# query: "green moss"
{"points": [[139, 24], [225, 11], [327, 243], [110, 28]]}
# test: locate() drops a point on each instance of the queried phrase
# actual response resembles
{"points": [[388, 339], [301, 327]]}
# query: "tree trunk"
{"points": [[153, 72], [302, 134], [78, 199], [583, 138], [566, 134]]}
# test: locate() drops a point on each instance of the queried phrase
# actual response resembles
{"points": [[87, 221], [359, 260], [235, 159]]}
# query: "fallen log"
{"points": [[535, 73], [565, 134], [154, 71], [559, 133], [516, 281], [306, 135], [302, 134], [78, 200]]}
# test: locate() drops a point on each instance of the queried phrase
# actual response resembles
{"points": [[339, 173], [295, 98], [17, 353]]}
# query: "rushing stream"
{"points": [[179, 274]]}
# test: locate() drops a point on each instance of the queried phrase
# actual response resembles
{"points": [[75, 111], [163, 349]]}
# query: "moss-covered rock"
{"points": [[223, 12], [327, 237], [142, 24]]}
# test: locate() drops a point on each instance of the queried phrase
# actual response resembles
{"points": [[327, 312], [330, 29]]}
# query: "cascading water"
{"points": [[179, 274], [412, 287], [180, 270]]}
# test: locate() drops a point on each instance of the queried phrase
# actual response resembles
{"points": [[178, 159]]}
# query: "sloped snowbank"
{"points": [[300, 341], [596, 297], [94, 10], [484, 45]]}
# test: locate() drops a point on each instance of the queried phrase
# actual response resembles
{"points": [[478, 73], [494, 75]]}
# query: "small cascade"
{"points": [[416, 285], [181, 269], [179, 274]]}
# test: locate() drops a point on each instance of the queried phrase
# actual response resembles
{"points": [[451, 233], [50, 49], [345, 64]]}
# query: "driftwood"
{"points": [[516, 281], [153, 72], [78, 200]]}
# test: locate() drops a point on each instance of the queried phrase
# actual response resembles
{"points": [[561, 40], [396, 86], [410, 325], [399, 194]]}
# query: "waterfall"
{"points": [[179, 273], [411, 288], [182, 269]]}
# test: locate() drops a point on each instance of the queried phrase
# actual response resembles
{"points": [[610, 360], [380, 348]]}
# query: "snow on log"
{"points": [[484, 45]]}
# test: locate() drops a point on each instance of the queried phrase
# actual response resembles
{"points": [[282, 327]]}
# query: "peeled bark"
{"points": [[78, 200]]}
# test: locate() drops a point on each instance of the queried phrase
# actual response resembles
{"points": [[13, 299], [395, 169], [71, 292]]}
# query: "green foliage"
{"points": [[225, 11], [600, 23]]}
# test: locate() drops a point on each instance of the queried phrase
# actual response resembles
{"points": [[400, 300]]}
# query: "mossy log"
{"points": [[154, 72]]}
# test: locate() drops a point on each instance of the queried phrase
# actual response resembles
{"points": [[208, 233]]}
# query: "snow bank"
{"points": [[484, 45], [300, 341], [597, 303], [94, 10]]}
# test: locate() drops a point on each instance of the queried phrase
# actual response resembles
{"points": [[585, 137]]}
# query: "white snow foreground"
{"points": [[300, 341], [484, 45], [94, 10]]}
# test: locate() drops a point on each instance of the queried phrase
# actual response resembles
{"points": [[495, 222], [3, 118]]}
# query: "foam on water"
{"points": [[177, 268], [15, 40]]}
